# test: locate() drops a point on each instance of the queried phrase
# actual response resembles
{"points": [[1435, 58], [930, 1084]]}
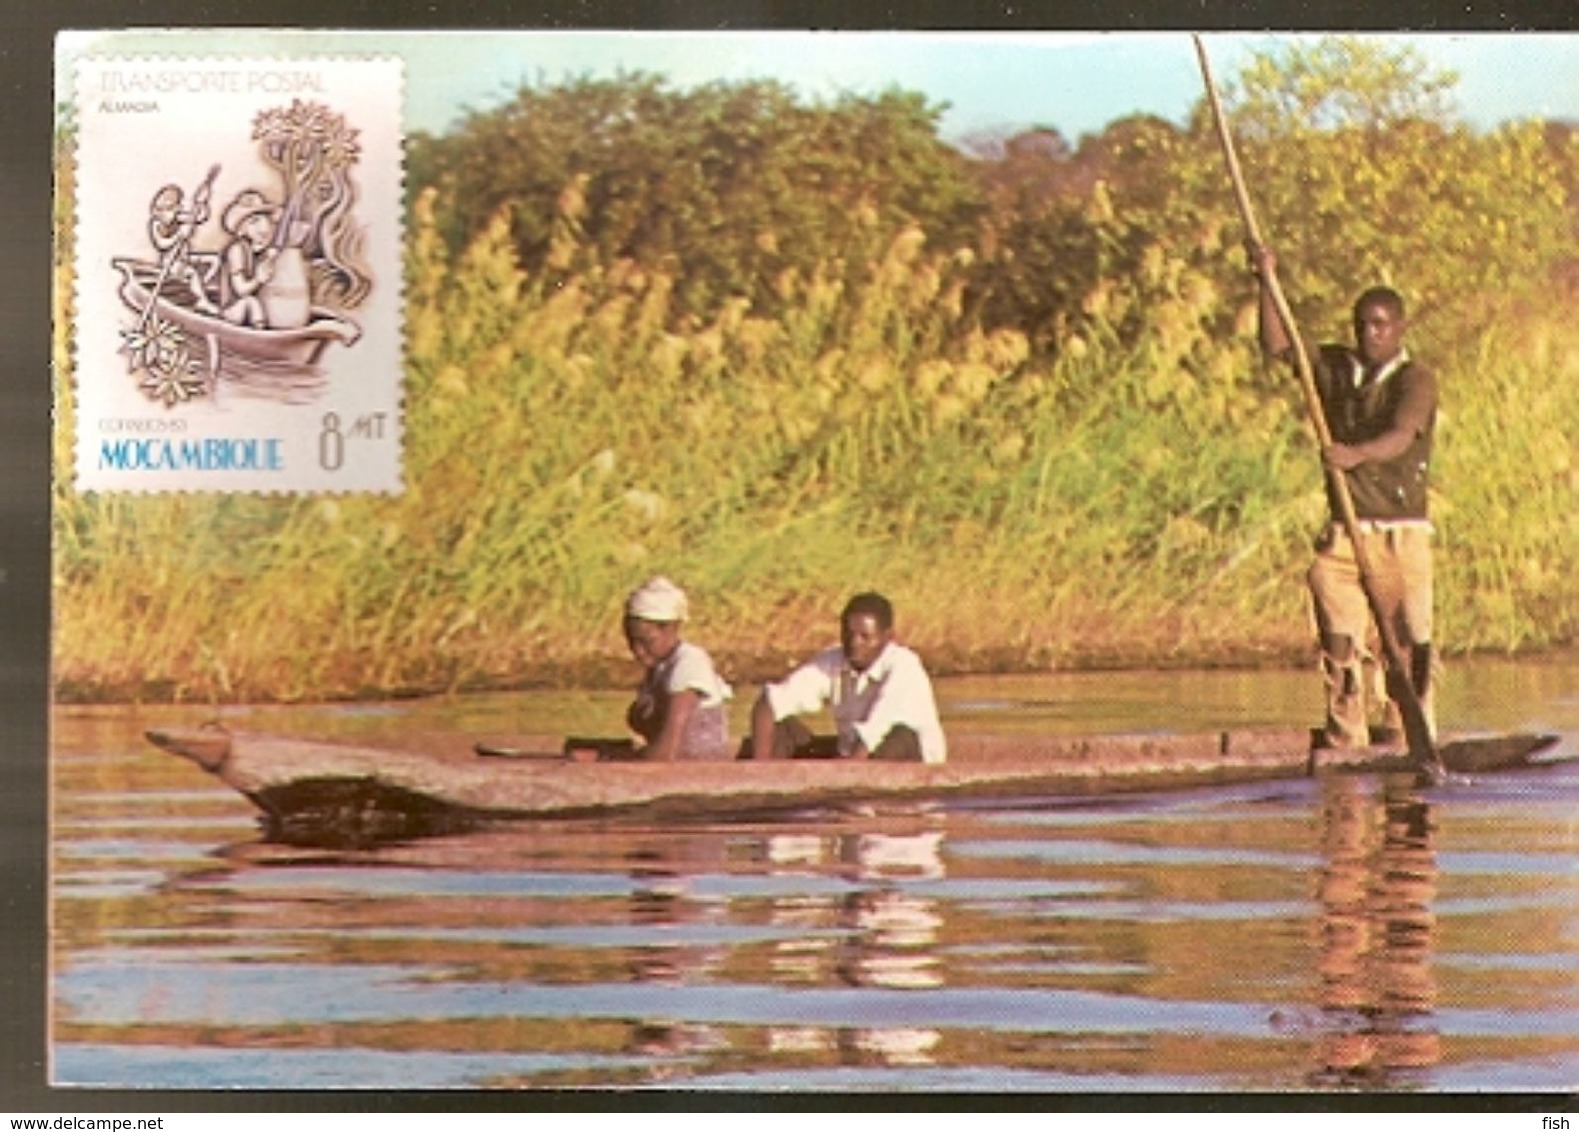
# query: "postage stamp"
{"points": [[237, 274]]}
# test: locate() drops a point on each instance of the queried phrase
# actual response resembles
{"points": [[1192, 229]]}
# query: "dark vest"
{"points": [[1397, 488]]}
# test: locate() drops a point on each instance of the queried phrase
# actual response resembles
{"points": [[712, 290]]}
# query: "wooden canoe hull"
{"points": [[331, 792], [298, 346]]}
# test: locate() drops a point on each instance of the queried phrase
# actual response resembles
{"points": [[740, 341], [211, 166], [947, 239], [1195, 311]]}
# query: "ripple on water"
{"points": [[1098, 944], [131, 989], [181, 1067]]}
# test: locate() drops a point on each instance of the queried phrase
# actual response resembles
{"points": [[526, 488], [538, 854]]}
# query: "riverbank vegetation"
{"points": [[783, 351]]}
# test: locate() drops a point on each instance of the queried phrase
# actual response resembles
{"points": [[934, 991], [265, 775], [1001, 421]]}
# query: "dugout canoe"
{"points": [[297, 346], [321, 792]]}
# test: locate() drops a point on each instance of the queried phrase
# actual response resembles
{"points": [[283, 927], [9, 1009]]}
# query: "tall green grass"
{"points": [[1141, 499]]}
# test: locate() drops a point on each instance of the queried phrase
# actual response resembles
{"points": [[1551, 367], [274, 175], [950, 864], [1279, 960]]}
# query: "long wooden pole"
{"points": [[1417, 730], [199, 206]]}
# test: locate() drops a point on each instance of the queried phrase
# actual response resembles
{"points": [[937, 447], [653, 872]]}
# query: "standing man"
{"points": [[171, 227], [1380, 407], [880, 695]]}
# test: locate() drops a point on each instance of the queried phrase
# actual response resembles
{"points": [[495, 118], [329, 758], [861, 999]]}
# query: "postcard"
{"points": [[814, 562]]}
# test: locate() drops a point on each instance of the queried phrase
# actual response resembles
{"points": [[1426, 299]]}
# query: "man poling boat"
{"points": [[1387, 433], [170, 230]]}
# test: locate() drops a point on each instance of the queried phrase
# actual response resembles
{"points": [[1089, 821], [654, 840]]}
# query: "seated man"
{"points": [[879, 693]]}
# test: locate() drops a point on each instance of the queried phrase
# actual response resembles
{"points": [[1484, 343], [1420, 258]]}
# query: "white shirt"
{"points": [[687, 669], [690, 669], [895, 689]]}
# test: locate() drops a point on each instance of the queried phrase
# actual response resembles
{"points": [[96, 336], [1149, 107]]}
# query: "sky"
{"points": [[1075, 82]]}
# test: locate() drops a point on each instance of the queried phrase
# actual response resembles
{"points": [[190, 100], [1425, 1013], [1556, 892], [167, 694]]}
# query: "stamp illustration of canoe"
{"points": [[300, 346], [320, 792]]}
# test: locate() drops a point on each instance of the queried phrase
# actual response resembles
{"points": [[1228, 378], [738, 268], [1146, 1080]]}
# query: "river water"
{"points": [[1352, 933]]}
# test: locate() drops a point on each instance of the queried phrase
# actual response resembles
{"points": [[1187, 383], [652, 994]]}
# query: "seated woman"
{"points": [[680, 708]]}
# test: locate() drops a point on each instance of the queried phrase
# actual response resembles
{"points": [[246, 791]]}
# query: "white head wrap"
{"points": [[658, 599]]}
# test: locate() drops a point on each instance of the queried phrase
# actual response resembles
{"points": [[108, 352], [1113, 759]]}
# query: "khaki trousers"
{"points": [[1400, 561]]}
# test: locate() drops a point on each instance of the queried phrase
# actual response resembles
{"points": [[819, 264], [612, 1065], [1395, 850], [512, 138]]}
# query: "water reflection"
{"points": [[1125, 945], [661, 898], [1378, 929], [866, 924], [886, 934]]}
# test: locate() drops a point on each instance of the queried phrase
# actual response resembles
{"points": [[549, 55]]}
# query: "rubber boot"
{"points": [[1343, 672]]}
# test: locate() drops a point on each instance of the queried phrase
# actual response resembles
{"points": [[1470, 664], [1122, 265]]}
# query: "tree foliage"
{"points": [[1336, 84], [1361, 176], [727, 186], [744, 191]]}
